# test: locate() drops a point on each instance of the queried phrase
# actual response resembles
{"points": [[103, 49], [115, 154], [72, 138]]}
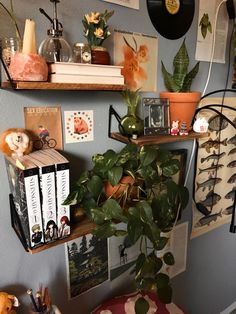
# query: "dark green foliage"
{"points": [[147, 214], [181, 79]]}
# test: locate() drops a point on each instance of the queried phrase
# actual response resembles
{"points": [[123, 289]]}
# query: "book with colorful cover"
{"points": [[62, 191], [24, 187], [48, 193]]}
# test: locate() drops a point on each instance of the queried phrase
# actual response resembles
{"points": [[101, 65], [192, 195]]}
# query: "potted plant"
{"points": [[148, 204], [96, 30], [183, 102]]}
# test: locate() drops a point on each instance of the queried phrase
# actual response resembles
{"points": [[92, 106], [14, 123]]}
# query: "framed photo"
{"points": [[156, 116]]}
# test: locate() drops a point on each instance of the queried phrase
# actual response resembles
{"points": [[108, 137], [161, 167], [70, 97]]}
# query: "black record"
{"points": [[171, 18]]}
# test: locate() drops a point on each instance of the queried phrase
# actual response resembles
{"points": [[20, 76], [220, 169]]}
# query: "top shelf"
{"points": [[158, 139], [60, 86]]}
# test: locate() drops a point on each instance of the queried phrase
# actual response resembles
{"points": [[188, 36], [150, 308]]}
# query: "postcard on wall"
{"points": [[87, 264], [79, 126], [122, 254], [133, 4], [209, 31], [45, 126], [137, 53]]}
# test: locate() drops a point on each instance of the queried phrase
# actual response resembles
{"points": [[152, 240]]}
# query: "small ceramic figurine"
{"points": [[174, 128], [200, 125], [183, 129], [15, 142]]}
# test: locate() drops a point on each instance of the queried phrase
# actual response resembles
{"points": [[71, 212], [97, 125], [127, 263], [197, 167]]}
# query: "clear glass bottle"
{"points": [[10, 46], [55, 48]]}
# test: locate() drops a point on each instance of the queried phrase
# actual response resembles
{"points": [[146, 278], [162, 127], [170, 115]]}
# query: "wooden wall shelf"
{"points": [[157, 139], [82, 228], [60, 86]]}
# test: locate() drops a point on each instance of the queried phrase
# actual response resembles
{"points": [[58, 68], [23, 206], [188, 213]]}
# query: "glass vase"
{"points": [[131, 124], [10, 46]]}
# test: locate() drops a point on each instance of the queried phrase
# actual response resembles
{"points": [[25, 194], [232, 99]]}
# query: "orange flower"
{"points": [[132, 70], [143, 53]]}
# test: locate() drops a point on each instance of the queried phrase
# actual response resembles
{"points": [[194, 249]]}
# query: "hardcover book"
{"points": [[24, 187], [84, 69], [86, 79]]}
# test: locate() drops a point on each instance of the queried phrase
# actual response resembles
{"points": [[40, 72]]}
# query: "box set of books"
{"points": [[37, 192]]}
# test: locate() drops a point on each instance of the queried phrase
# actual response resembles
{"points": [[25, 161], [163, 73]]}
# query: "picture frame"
{"points": [[156, 116]]}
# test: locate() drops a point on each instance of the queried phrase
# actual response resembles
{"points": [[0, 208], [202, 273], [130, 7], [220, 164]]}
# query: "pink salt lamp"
{"points": [[28, 65]]}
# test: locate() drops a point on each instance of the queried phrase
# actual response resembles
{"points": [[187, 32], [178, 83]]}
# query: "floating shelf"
{"points": [[157, 139], [82, 228], [60, 86]]}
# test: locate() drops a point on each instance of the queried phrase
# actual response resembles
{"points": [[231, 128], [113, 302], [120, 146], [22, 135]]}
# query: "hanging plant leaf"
{"points": [[147, 155], [165, 294], [135, 230], [169, 258], [95, 186], [105, 231], [114, 175], [162, 280], [141, 306]]}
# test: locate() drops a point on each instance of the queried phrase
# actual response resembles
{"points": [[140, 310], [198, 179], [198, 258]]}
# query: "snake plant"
{"points": [[181, 79]]}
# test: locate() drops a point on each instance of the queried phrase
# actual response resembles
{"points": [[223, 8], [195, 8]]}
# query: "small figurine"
{"points": [[183, 129], [200, 125], [174, 128], [15, 142], [8, 303]]}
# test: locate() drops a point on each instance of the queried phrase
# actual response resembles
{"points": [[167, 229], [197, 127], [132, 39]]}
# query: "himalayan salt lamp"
{"points": [[28, 65]]}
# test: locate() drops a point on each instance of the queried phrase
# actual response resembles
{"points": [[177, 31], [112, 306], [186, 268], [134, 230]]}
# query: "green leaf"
{"points": [[165, 294], [105, 231], [112, 209], [83, 178], [135, 230], [120, 233], [95, 186], [145, 212], [97, 216], [157, 262], [169, 258], [162, 280], [147, 155], [71, 198], [181, 63], [204, 31], [189, 78], [169, 81], [139, 262], [141, 306], [161, 243], [115, 174], [170, 167]]}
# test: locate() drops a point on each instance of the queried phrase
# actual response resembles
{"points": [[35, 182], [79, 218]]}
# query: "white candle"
{"points": [[29, 41]]}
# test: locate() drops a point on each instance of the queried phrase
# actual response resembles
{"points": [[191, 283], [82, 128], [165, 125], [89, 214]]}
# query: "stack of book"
{"points": [[39, 184], [69, 72]]}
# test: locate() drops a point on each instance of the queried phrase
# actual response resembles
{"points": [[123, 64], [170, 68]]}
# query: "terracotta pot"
{"points": [[182, 106], [100, 55], [117, 190]]}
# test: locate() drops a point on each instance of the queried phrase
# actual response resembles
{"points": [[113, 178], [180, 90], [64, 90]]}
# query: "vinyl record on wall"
{"points": [[171, 18]]}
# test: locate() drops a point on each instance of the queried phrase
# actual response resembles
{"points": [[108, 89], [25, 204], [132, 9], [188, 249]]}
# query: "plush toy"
{"points": [[8, 303], [15, 142], [174, 128]]}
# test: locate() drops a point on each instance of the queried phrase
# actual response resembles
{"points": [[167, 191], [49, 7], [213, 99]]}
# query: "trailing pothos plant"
{"points": [[147, 205]]}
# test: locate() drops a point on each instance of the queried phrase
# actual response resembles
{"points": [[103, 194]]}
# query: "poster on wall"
{"points": [[87, 264], [215, 180], [122, 254], [137, 53], [78, 126], [206, 35], [45, 126], [133, 4]]}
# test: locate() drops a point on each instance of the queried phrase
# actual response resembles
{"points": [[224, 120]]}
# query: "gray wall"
{"points": [[209, 284]]}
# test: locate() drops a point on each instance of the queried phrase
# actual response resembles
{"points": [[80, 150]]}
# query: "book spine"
{"points": [[24, 186], [48, 192], [63, 189], [31, 180]]}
